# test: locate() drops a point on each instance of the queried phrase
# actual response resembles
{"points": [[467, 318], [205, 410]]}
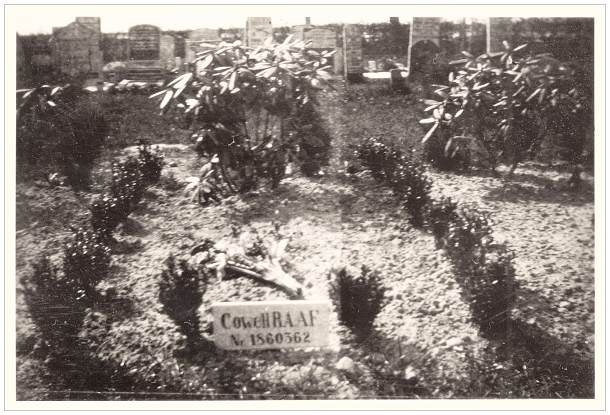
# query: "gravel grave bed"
{"points": [[425, 343]]}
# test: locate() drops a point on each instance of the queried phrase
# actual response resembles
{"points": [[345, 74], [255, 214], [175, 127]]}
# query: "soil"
{"points": [[425, 343]]}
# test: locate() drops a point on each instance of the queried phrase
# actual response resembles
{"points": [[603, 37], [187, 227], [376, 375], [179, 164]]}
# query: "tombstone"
{"points": [[195, 40], [204, 36], [115, 47], [352, 52], [76, 47], [144, 42], [258, 29], [167, 52], [427, 31], [422, 57], [499, 29], [321, 38], [92, 23]]}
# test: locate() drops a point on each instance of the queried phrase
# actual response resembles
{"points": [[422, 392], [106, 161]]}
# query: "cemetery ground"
{"points": [[424, 343]]}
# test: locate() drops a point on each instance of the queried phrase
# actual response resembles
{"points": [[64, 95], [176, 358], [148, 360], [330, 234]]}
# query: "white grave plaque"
{"points": [[271, 324]]}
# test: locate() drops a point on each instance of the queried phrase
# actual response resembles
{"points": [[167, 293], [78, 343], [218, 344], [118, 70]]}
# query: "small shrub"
{"points": [[412, 186], [405, 175], [358, 299], [490, 289], [375, 155], [440, 214], [56, 305], [468, 235], [181, 293], [86, 262], [127, 183], [106, 214], [151, 163]]}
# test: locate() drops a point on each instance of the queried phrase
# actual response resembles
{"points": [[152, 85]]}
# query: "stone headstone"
{"points": [[115, 47], [144, 42], [77, 47], [197, 40], [500, 29], [258, 29], [204, 35], [338, 61], [271, 324], [93, 23], [423, 29], [167, 52], [352, 50], [321, 38]]}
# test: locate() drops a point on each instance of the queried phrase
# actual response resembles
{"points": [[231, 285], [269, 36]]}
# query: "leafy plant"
{"points": [[412, 186], [376, 156], [405, 175], [490, 289], [180, 292], [127, 185], [358, 298], [445, 153], [312, 138], [243, 104], [56, 304], [502, 105], [86, 262], [468, 235], [441, 213], [106, 214], [151, 163], [60, 127]]}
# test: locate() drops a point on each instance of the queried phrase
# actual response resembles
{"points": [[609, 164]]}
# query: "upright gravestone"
{"points": [[352, 52], [167, 55], [424, 31], [197, 40], [258, 29], [115, 47], [321, 38], [144, 42], [77, 47], [500, 29]]}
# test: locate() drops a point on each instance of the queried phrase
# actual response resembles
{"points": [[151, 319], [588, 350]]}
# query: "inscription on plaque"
{"points": [[271, 324]]}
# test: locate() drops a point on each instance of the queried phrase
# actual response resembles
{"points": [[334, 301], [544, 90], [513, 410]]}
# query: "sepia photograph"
{"points": [[317, 203]]}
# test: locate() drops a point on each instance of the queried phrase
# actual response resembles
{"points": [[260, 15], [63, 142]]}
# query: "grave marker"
{"points": [[144, 42], [352, 50], [321, 38], [198, 37], [167, 52], [77, 47], [423, 29], [271, 324], [500, 29], [257, 30]]}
